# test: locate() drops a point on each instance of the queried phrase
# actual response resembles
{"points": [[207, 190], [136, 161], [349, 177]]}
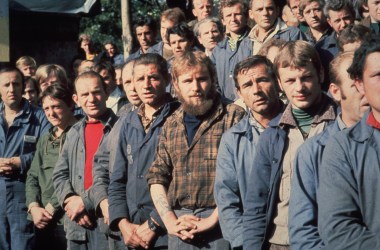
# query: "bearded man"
{"points": [[182, 176]]}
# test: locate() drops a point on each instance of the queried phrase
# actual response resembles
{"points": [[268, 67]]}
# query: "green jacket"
{"points": [[39, 184]]}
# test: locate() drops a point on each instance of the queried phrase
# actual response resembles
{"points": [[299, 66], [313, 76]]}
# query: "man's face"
{"points": [[57, 112], [165, 25], [145, 36], [202, 9], [108, 80], [314, 16], [30, 92], [301, 85], [257, 89], [294, 7], [195, 90], [11, 89], [110, 50], [351, 46], [374, 10], [150, 84], [339, 20], [264, 12], [85, 45], [353, 104], [370, 85], [129, 85], [28, 70], [90, 96], [209, 35], [49, 80], [234, 19], [179, 44]]}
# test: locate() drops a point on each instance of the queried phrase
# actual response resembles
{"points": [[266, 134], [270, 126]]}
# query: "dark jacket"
{"points": [[262, 196], [68, 175], [349, 189], [131, 153], [303, 208]]}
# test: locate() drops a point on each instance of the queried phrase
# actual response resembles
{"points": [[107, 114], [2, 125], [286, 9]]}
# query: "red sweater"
{"points": [[93, 133]]}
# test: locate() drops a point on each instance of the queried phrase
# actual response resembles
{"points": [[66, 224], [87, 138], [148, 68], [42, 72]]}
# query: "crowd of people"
{"points": [[217, 135]]}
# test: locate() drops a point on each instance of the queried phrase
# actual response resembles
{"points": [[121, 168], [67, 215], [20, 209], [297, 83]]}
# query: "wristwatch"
{"points": [[152, 226]]}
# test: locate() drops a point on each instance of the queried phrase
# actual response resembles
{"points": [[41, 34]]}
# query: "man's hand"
{"points": [[74, 206], [185, 224], [104, 207], [129, 232], [145, 234], [83, 220], [41, 217], [205, 224], [9, 165]]}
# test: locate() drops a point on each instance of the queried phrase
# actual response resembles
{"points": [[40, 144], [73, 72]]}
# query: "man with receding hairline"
{"points": [[72, 176]]}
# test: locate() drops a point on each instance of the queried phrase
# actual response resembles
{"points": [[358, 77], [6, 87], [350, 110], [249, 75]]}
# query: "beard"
{"points": [[202, 107]]}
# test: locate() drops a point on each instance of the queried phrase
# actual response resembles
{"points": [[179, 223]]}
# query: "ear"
{"points": [[194, 12], [280, 84], [199, 39], [250, 13], [360, 86], [335, 92], [329, 21], [239, 93], [75, 99]]}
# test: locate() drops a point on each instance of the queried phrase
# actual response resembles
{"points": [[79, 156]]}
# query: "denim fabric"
{"points": [[16, 231], [96, 240]]}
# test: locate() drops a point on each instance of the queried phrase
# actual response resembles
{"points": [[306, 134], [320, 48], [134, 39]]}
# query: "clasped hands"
{"points": [[75, 210]]}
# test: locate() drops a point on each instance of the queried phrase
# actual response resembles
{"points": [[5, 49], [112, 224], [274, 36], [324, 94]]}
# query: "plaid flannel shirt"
{"points": [[188, 171]]}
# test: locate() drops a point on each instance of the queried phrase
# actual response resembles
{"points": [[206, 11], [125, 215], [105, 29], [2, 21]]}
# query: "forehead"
{"points": [[313, 4], [198, 3], [144, 28], [237, 8], [127, 70], [12, 76], [48, 100], [253, 71], [293, 3], [108, 46], [207, 26], [293, 71], [165, 23], [189, 71], [175, 37], [87, 83], [372, 62], [340, 12], [260, 3], [145, 69]]}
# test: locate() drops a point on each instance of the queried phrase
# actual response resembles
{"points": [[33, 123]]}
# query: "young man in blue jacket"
{"points": [[132, 147], [72, 176], [256, 84], [303, 207], [348, 204], [265, 219], [21, 125]]}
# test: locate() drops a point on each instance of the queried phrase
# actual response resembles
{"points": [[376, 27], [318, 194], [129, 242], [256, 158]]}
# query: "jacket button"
{"points": [[79, 177], [188, 173], [188, 196]]}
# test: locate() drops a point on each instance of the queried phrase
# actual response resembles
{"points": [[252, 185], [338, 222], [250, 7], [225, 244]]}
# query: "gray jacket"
{"points": [[68, 175]]}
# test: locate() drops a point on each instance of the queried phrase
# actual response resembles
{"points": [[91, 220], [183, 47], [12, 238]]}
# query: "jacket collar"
{"points": [[223, 44], [108, 119], [23, 116], [361, 131]]}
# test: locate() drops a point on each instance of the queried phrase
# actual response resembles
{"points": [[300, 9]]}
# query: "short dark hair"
{"points": [[90, 74], [14, 69], [98, 67], [145, 21], [253, 61], [181, 29], [60, 92], [155, 59], [352, 33], [337, 5], [370, 44], [230, 3], [34, 82]]}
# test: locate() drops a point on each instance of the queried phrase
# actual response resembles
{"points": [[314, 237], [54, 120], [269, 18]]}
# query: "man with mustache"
{"points": [[257, 86], [182, 176], [299, 72]]}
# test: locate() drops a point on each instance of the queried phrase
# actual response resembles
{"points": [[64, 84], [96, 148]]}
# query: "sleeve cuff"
{"points": [[33, 204], [49, 207]]}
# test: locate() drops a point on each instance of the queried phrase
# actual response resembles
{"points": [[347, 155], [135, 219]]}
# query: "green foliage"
{"points": [[108, 25]]}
